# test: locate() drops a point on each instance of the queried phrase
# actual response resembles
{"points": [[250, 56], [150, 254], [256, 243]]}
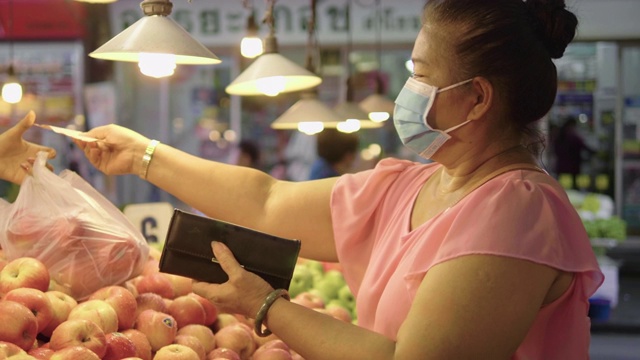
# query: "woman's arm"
{"points": [[472, 307], [231, 193]]}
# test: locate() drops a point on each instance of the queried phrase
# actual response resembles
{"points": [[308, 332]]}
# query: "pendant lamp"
{"points": [[11, 90], [271, 73], [353, 116], [377, 106], [308, 115], [156, 42], [251, 44]]}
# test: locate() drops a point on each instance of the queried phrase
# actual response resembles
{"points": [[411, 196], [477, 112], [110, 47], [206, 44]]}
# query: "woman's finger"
{"points": [[225, 258]]}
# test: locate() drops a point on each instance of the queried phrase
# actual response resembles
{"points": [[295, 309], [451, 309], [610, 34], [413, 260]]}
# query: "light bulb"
{"points": [[157, 65], [272, 85], [251, 46], [12, 92], [379, 116], [310, 127], [348, 126]]}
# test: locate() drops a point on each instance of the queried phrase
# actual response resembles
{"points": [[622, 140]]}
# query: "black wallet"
{"points": [[187, 250]]}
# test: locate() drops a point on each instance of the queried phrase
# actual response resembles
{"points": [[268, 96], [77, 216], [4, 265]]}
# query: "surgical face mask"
{"points": [[410, 117]]}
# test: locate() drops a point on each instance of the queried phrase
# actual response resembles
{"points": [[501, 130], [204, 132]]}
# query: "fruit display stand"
{"points": [[606, 231]]}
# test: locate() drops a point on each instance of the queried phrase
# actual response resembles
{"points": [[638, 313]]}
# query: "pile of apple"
{"points": [[153, 316]]}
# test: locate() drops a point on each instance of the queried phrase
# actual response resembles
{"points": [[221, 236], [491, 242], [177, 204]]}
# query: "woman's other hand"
{"points": [[243, 293], [118, 150], [15, 151]]}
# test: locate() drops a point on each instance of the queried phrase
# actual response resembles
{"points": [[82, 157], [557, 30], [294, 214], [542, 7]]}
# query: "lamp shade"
{"points": [[156, 34], [307, 110], [271, 74], [348, 110], [376, 105]]}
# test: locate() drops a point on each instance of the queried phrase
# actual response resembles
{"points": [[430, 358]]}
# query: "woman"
{"points": [[478, 255], [15, 151]]}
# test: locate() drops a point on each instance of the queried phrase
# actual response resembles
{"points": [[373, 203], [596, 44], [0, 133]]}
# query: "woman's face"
{"points": [[434, 65]]}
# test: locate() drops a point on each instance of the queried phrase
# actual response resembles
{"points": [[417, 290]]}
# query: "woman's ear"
{"points": [[483, 93]]}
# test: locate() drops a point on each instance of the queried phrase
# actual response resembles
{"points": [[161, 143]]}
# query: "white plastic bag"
{"points": [[82, 238]]}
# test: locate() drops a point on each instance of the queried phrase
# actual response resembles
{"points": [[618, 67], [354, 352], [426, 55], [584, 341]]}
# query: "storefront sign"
{"points": [[41, 20], [222, 23], [151, 219]]}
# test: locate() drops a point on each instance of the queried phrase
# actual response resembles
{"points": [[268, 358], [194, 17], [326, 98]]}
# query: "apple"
{"points": [[223, 320], [181, 285], [210, 309], [238, 338], [79, 332], [267, 348], [160, 328], [152, 266], [338, 311], [157, 283], [193, 343], [122, 301], [24, 272], [74, 353], [202, 333], [140, 342], [223, 353], [176, 352], [40, 353], [347, 298], [19, 325], [98, 311], [61, 305], [271, 354], [56, 286], [9, 349], [301, 280], [150, 301], [329, 285], [187, 310], [118, 346], [131, 286], [36, 301], [309, 300]]}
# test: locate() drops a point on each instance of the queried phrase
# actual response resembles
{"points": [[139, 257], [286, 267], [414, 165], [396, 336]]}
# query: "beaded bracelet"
{"points": [[146, 158], [262, 313]]}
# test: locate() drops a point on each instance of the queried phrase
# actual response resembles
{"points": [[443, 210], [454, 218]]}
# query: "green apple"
{"points": [[301, 280], [316, 268], [346, 297], [328, 288]]}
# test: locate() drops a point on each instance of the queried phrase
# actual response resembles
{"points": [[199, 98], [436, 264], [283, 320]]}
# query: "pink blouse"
{"points": [[384, 261]]}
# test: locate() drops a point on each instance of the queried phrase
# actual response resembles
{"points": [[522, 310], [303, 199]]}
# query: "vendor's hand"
{"points": [[118, 150], [15, 152], [243, 293]]}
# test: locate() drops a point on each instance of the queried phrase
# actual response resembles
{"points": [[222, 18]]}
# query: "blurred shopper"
{"points": [[478, 255], [336, 152], [247, 153], [570, 149], [15, 151]]}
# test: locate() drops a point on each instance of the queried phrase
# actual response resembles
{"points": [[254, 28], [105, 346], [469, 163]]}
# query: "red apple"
{"points": [[141, 343], [24, 272], [157, 283], [339, 312], [122, 301], [309, 300], [223, 353], [74, 353], [36, 301], [79, 332], [238, 338], [61, 305], [160, 328], [19, 325], [187, 310], [210, 309], [152, 266], [118, 346], [272, 354], [202, 333], [175, 352], [193, 343], [98, 311], [8, 349], [41, 353], [223, 320], [181, 285], [150, 301]]}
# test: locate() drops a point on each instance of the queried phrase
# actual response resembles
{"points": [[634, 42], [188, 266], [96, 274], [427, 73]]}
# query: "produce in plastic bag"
{"points": [[82, 238]]}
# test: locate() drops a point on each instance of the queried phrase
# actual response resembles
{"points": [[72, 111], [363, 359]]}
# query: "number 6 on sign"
{"points": [[152, 219]]}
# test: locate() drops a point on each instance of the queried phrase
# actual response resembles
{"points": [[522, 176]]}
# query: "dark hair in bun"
{"points": [[553, 23], [511, 43]]}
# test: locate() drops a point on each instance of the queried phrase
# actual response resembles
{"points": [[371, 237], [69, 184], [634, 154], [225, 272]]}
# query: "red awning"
{"points": [[42, 19]]}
